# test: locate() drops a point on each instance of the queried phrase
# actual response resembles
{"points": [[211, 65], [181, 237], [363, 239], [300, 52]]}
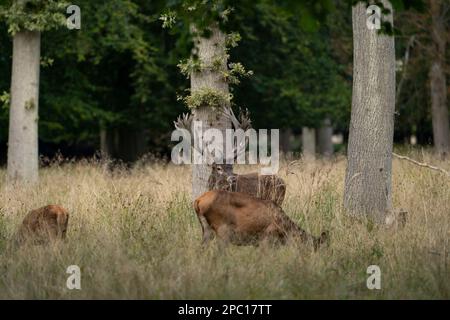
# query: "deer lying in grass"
{"points": [[43, 225], [241, 219], [266, 187]]}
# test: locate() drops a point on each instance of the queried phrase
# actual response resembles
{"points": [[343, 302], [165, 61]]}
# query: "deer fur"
{"points": [[266, 187], [43, 225], [242, 219]]}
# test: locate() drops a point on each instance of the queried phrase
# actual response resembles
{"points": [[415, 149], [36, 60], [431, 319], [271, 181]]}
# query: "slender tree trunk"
{"points": [[124, 143], [325, 143], [438, 85], [208, 49], [141, 145], [309, 143], [23, 121], [368, 176], [285, 138], [105, 143]]}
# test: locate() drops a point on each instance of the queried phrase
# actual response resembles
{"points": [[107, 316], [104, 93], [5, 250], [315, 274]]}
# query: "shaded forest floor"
{"points": [[134, 234]]}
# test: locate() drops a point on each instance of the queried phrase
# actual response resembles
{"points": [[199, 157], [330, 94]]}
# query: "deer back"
{"points": [[240, 218]]}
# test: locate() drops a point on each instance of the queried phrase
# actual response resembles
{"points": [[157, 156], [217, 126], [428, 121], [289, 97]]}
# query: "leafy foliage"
{"points": [[207, 97], [33, 15], [189, 66], [119, 72]]}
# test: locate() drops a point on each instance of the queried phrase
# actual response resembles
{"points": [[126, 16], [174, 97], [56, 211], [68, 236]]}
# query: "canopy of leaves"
{"points": [[33, 15], [120, 70]]}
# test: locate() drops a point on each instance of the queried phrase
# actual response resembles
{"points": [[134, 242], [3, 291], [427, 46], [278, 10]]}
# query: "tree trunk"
{"points": [[286, 135], [309, 143], [105, 142], [124, 143], [208, 49], [23, 122], [368, 176], [130, 145], [325, 135], [438, 85]]}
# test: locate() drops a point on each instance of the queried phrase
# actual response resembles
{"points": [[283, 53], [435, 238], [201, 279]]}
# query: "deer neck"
{"points": [[228, 168]]}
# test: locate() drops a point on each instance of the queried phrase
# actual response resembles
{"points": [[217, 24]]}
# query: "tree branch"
{"points": [[422, 164]]}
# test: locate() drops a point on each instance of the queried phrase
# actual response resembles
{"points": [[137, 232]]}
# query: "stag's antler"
{"points": [[243, 122], [184, 121]]}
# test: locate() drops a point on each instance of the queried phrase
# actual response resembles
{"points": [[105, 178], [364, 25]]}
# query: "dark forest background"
{"points": [[113, 85]]}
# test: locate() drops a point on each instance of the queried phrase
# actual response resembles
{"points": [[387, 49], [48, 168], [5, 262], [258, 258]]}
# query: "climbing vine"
{"points": [[189, 66], [206, 97], [212, 12]]}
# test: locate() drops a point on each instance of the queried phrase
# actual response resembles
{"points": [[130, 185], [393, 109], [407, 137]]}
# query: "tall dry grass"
{"points": [[134, 234]]}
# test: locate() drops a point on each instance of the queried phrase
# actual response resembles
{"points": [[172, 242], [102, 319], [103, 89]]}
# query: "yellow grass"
{"points": [[134, 234]]}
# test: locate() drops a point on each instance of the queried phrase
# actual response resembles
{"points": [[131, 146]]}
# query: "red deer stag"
{"points": [[242, 219], [266, 187], [43, 225]]}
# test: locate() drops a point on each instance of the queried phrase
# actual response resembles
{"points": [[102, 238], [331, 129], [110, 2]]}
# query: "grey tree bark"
{"points": [[285, 140], [324, 137], [209, 49], [23, 155], [309, 143], [368, 175], [438, 85]]}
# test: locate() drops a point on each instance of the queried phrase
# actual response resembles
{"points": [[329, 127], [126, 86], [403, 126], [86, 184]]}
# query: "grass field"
{"points": [[134, 234]]}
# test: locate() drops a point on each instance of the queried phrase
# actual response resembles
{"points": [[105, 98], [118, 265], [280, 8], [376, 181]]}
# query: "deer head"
{"points": [[220, 178]]}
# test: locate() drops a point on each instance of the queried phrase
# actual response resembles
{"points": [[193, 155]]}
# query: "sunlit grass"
{"points": [[134, 234]]}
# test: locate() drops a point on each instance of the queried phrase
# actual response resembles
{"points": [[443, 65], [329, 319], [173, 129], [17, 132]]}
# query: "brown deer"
{"points": [[43, 225], [241, 219], [266, 187]]}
